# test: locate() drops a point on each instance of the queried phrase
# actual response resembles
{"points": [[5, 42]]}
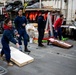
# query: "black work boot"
{"points": [[26, 49], [41, 45]]}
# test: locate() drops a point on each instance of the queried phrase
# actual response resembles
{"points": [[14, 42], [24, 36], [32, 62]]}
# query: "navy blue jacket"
{"points": [[19, 21], [41, 22], [8, 36]]}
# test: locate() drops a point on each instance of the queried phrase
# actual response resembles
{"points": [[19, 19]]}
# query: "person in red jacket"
{"points": [[57, 27]]}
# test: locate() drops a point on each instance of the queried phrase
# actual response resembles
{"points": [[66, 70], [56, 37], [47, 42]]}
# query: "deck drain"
{"points": [[28, 46], [58, 53], [2, 70], [36, 48]]}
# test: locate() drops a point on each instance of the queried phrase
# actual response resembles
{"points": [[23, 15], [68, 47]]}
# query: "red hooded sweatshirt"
{"points": [[58, 23]]}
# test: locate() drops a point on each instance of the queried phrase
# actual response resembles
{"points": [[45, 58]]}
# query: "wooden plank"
{"points": [[20, 58], [60, 43]]}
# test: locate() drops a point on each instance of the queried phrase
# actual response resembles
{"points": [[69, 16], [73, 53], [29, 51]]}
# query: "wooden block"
{"points": [[20, 58]]}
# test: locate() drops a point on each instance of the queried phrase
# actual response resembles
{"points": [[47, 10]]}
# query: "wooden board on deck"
{"points": [[20, 58], [60, 43]]}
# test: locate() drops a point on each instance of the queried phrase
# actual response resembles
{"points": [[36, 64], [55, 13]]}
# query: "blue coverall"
{"points": [[21, 29], [41, 29], [58, 33], [6, 38]]}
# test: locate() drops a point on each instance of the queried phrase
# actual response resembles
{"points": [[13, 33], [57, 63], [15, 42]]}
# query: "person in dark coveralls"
{"points": [[41, 29], [57, 27], [6, 38], [20, 24]]}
